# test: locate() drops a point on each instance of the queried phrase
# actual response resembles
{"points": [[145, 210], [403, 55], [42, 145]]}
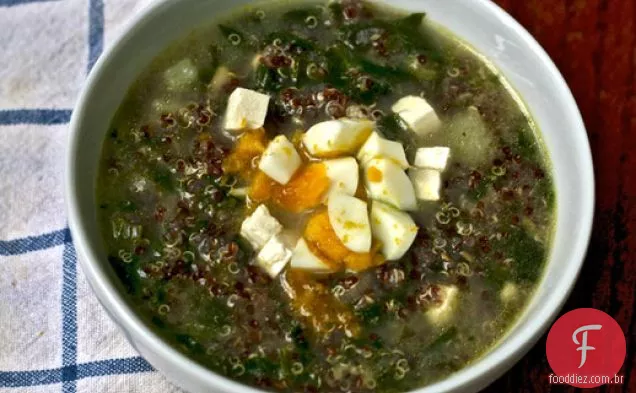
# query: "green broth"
{"points": [[170, 221]]}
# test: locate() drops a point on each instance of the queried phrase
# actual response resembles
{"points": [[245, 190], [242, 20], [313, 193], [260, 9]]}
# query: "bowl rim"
{"points": [[478, 374]]}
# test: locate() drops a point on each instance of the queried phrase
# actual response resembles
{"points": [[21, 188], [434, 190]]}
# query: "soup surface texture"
{"points": [[311, 197]]}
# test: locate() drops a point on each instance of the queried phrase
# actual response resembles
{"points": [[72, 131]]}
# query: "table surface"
{"points": [[593, 42]]}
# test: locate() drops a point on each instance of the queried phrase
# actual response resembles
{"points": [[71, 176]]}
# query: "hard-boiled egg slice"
{"points": [[386, 181], [334, 138], [378, 147], [432, 157], [426, 182], [343, 173], [395, 229], [246, 109], [350, 221], [280, 160], [418, 114], [304, 259]]}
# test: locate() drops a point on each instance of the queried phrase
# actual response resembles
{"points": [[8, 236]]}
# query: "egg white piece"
{"points": [[246, 109], [304, 259], [343, 173], [334, 138], [426, 182], [280, 160], [395, 229], [386, 181], [432, 157], [378, 147], [349, 218], [417, 114]]}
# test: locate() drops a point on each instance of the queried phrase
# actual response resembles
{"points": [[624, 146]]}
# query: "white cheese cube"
{"points": [[417, 114], [280, 160], [395, 229], [378, 147], [343, 173], [443, 312], [246, 109], [509, 292], [181, 76], [260, 227], [349, 219], [335, 138], [432, 157], [274, 256], [304, 259], [426, 182], [386, 181]]}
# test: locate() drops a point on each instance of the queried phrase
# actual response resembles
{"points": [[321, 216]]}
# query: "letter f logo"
{"points": [[583, 345]]}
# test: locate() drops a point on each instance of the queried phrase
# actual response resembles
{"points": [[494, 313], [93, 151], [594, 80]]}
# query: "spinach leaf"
{"points": [[127, 274], [412, 22], [207, 69], [335, 13], [371, 314], [528, 254], [245, 41], [443, 338], [266, 79], [164, 178], [299, 16], [288, 38], [393, 128], [260, 367]]}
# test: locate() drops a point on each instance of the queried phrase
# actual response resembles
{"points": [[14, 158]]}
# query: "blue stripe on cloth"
{"points": [[95, 31], [34, 116], [14, 379], [10, 3], [114, 366], [69, 316], [33, 243]]}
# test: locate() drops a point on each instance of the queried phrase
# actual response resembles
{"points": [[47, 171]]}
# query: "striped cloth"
{"points": [[54, 336]]}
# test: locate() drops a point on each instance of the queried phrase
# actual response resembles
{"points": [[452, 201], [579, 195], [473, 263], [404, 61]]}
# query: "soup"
{"points": [[326, 197]]}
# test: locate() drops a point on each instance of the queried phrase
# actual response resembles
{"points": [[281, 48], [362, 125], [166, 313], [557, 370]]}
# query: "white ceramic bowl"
{"points": [[479, 22]]}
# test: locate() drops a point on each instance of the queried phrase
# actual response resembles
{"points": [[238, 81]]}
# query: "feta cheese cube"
{"points": [[442, 313], [336, 138], [378, 147], [395, 229], [509, 292], [304, 259], [343, 173], [417, 114], [386, 181], [260, 227], [274, 256], [426, 182], [432, 157], [246, 109], [349, 219], [181, 76], [280, 160]]}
